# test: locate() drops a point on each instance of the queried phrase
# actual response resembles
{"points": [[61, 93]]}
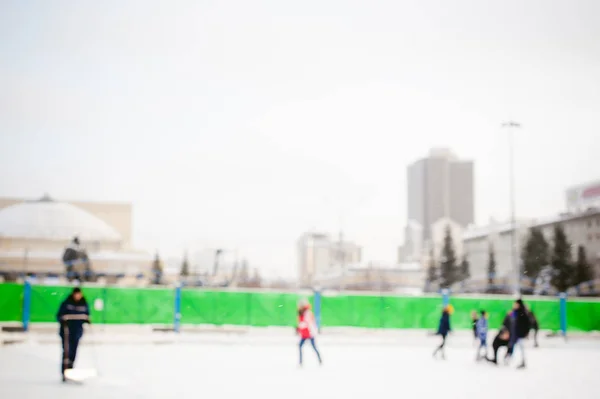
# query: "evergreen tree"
{"points": [[448, 269], [185, 267], [562, 265], [432, 274], [583, 270], [491, 269], [535, 254], [465, 271], [157, 270]]}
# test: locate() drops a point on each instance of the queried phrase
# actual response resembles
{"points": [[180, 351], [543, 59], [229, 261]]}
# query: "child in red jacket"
{"points": [[306, 328]]}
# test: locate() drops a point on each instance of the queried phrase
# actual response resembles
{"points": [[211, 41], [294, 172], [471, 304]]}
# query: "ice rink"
{"points": [[235, 366]]}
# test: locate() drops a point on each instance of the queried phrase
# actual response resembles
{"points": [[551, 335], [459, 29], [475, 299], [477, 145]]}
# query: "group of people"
{"points": [[516, 326], [74, 312]]}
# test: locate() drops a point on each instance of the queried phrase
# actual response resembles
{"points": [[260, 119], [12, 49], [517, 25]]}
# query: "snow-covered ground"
{"points": [[264, 365]]}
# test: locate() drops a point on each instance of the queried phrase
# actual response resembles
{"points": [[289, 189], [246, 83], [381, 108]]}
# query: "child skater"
{"points": [[72, 314], [482, 330], [443, 330], [474, 320], [306, 328]]}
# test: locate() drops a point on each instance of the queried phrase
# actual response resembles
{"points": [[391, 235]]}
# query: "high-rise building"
{"points": [[440, 186]]}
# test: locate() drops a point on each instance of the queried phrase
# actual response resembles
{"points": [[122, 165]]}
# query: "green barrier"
{"points": [[369, 311], [412, 312], [583, 315], [45, 301], [424, 312], [273, 309], [157, 306], [120, 306], [238, 308], [11, 302], [138, 306], [547, 313]]}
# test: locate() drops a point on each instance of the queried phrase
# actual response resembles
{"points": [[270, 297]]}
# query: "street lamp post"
{"points": [[511, 126]]}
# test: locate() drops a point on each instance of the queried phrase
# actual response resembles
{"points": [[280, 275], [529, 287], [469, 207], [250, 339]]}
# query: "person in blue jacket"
{"points": [[72, 314], [443, 330], [482, 331]]}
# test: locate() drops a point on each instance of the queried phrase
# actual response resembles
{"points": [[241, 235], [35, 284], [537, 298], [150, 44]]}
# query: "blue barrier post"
{"points": [[177, 321], [318, 309], [445, 297], [26, 304], [104, 297], [563, 313]]}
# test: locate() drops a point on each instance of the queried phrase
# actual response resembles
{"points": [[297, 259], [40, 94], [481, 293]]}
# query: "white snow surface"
{"points": [[212, 365]]}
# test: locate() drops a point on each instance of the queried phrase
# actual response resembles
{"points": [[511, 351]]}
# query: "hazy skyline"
{"points": [[243, 124]]}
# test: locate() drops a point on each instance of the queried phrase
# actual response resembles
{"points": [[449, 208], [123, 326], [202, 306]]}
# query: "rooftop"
{"points": [[46, 219], [506, 227]]}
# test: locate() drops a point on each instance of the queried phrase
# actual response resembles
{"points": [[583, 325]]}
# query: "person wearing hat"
{"points": [[307, 328], [72, 314], [443, 329]]}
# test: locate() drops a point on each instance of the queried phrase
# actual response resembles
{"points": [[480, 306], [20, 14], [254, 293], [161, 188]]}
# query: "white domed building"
{"points": [[34, 234]]}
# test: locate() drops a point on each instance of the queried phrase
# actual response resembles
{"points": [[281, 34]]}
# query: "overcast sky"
{"points": [[241, 124]]}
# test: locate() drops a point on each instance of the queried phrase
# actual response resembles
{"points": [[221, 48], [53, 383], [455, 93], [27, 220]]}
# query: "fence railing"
{"points": [[173, 306]]}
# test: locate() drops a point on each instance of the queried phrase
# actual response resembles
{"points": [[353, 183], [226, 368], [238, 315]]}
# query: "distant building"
{"points": [[439, 187], [34, 235], [406, 278], [413, 248], [581, 228], [477, 242], [318, 254], [117, 215], [583, 196]]}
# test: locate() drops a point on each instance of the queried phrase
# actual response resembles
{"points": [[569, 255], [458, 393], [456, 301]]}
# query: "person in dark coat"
{"points": [[507, 322], [443, 330], [535, 327], [72, 314], [521, 324], [500, 340]]}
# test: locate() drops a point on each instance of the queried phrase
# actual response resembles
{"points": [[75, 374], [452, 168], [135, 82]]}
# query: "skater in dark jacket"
{"points": [[508, 325], [72, 314], [499, 341], [443, 329], [535, 327], [521, 324]]}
